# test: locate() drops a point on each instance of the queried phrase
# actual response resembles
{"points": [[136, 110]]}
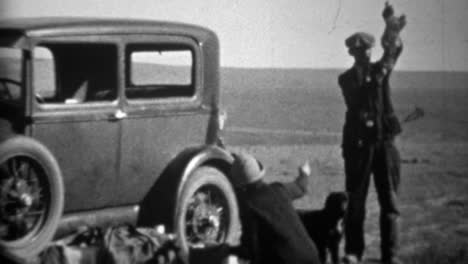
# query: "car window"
{"points": [[10, 74], [159, 72], [75, 73]]}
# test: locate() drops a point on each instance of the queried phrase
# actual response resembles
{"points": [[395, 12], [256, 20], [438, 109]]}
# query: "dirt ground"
{"points": [[433, 192], [287, 116]]}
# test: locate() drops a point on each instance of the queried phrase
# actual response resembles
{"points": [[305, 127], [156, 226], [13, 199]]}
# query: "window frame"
{"points": [[169, 42], [71, 40], [130, 80]]}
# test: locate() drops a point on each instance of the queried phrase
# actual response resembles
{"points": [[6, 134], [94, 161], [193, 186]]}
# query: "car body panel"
{"points": [[112, 153], [87, 153], [169, 137]]}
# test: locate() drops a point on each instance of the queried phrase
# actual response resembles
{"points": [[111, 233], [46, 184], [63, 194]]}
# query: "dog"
{"points": [[325, 226]]}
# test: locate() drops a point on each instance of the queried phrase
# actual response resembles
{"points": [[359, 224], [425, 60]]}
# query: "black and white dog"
{"points": [[325, 226]]}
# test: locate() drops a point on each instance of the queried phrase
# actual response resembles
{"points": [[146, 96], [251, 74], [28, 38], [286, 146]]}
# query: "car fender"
{"points": [[212, 155], [159, 205]]}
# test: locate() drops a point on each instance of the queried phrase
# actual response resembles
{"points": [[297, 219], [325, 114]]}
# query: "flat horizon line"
{"points": [[337, 69]]}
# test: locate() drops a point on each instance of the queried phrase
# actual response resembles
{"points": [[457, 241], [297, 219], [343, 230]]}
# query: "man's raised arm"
{"points": [[391, 40]]}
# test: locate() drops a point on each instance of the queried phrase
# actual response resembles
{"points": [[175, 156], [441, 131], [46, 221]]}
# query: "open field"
{"points": [[433, 194], [310, 100], [286, 117]]}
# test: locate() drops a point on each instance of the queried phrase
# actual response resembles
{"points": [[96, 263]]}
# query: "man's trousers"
{"points": [[383, 161]]}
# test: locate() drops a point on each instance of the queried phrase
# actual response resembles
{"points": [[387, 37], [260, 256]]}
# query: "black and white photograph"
{"points": [[234, 132]]}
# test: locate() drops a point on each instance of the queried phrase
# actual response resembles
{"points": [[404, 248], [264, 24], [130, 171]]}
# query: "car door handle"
{"points": [[118, 115]]}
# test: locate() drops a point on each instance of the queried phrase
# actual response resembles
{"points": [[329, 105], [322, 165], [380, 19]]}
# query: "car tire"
{"points": [[207, 181], [44, 193]]}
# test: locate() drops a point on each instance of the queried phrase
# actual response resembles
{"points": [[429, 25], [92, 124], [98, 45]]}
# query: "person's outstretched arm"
{"points": [[391, 40], [298, 188]]}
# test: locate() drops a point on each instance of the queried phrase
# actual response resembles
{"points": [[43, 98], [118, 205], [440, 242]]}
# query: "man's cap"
{"points": [[246, 169], [360, 40]]}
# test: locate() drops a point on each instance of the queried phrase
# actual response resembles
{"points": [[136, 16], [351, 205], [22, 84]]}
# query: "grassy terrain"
{"points": [[286, 117], [310, 100], [433, 197]]}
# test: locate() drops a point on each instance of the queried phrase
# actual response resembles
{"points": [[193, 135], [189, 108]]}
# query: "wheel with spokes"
{"points": [[207, 211], [31, 196]]}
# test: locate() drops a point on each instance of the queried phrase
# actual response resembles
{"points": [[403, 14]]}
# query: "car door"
{"points": [[76, 115], [164, 114]]}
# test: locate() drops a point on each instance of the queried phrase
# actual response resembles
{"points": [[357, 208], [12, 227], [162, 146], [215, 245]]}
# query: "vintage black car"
{"points": [[104, 121]]}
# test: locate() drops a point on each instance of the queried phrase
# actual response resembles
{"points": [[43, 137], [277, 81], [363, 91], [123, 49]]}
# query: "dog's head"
{"points": [[337, 204]]}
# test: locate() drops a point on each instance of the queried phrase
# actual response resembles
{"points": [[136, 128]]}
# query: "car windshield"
{"points": [[10, 74]]}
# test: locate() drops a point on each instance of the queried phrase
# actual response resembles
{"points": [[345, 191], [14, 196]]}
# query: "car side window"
{"points": [[159, 71], [75, 73]]}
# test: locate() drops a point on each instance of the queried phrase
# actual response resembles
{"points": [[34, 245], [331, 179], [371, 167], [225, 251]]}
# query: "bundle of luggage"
{"points": [[123, 244]]}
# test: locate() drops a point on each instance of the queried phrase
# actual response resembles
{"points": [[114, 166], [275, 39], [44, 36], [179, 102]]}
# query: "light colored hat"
{"points": [[360, 40], [246, 169]]}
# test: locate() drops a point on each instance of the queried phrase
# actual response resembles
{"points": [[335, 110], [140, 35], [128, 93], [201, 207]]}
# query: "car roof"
{"points": [[61, 26]]}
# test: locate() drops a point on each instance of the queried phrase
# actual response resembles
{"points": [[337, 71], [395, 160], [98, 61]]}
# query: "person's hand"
{"points": [[303, 179], [305, 170], [388, 11]]}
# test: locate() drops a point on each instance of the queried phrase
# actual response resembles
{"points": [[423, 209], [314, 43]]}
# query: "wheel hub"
{"points": [[21, 206], [204, 220]]}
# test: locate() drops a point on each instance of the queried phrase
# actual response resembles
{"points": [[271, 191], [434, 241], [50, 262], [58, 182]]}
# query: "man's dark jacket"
{"points": [[272, 230], [370, 116]]}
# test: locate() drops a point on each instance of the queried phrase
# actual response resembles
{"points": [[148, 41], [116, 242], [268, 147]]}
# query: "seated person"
{"points": [[272, 231]]}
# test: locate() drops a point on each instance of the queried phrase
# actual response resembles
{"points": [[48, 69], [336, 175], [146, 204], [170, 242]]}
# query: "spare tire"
{"points": [[31, 197]]}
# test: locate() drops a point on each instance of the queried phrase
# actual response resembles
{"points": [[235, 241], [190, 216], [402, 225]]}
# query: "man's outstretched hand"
{"points": [[303, 179], [393, 23], [305, 170], [388, 11], [393, 26]]}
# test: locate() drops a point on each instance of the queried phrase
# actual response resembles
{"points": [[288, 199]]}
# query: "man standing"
{"points": [[368, 136]]}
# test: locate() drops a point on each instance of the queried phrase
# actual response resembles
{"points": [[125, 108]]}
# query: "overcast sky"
{"points": [[290, 33]]}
